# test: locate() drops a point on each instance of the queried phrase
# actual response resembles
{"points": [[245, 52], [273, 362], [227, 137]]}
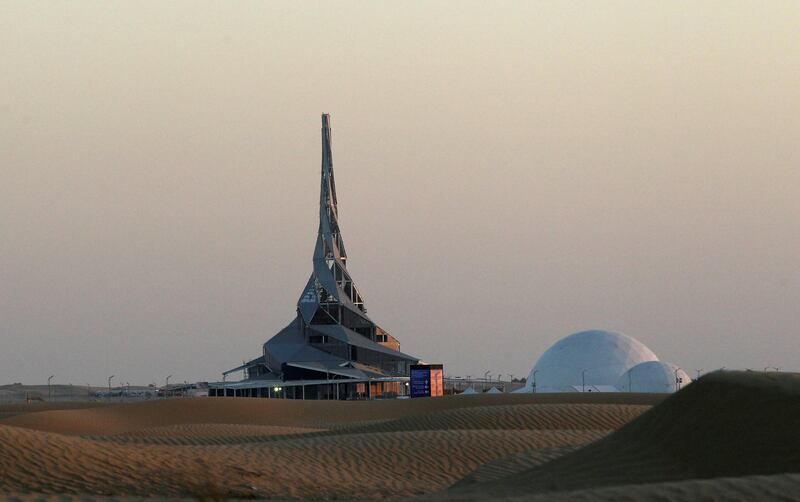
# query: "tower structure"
{"points": [[331, 337]]}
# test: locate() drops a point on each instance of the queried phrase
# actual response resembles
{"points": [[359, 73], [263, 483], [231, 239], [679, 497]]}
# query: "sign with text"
{"points": [[427, 380]]}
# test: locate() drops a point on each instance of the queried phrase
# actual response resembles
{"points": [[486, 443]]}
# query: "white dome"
{"points": [[601, 356], [653, 376]]}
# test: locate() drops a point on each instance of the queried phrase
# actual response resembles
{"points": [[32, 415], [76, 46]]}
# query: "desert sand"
{"points": [[728, 434]]}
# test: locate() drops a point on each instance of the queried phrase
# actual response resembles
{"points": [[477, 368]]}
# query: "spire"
{"points": [[330, 294], [328, 212]]}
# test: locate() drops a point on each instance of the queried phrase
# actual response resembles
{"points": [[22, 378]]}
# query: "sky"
{"points": [[508, 173]]}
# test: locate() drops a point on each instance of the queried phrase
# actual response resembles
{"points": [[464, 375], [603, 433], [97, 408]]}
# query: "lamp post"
{"points": [[534, 380], [327, 384], [485, 377], [49, 389], [109, 385], [583, 381]]}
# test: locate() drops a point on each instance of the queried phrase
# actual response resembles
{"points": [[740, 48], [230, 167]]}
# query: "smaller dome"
{"points": [[654, 377]]}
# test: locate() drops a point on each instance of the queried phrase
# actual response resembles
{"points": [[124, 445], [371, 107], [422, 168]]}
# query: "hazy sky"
{"points": [[508, 173]]}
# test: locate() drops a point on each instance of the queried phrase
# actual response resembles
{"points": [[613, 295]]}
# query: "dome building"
{"points": [[596, 361], [653, 376]]}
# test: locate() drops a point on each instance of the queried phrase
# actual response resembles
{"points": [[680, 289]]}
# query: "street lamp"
{"points": [[534, 380], [630, 380], [583, 381], [49, 390], [485, 377], [109, 385]]}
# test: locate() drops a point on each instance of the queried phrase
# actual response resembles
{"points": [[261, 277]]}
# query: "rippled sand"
{"points": [[568, 447]]}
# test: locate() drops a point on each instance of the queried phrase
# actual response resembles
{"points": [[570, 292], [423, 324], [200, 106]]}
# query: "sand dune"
{"points": [[728, 424], [373, 466], [513, 417], [265, 448], [370, 465], [777, 487], [513, 464], [726, 436], [206, 434], [122, 418], [15, 409]]}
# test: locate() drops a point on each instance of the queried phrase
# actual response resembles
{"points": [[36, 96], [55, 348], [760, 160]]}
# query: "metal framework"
{"points": [[331, 337]]}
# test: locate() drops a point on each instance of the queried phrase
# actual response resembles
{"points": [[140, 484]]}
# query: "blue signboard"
{"points": [[426, 380], [420, 382]]}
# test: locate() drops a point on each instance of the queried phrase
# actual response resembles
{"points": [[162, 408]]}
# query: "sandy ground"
{"points": [[729, 436], [572, 447]]}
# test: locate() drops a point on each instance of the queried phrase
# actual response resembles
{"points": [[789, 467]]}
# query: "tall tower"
{"points": [[331, 333], [330, 297]]}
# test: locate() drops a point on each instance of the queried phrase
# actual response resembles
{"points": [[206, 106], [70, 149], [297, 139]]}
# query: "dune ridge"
{"points": [[127, 417], [727, 424]]}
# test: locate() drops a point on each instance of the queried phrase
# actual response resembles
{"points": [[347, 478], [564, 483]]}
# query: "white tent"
{"points": [[588, 358], [653, 376]]}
